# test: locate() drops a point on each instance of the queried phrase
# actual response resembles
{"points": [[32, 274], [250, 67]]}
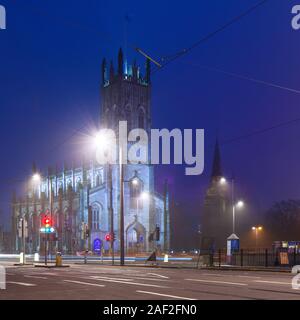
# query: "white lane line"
{"points": [[221, 282], [158, 275], [132, 283], [272, 282], [36, 277], [85, 283], [150, 279], [253, 277], [165, 295], [22, 284], [108, 278]]}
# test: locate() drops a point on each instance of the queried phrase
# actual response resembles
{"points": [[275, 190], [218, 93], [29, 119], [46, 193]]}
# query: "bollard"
{"points": [[22, 258], [242, 257], [36, 257], [58, 260]]}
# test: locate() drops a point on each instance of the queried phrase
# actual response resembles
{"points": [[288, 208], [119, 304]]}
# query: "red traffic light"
{"points": [[107, 237], [47, 221]]}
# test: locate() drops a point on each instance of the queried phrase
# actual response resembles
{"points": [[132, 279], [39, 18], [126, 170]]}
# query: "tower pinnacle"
{"points": [[216, 168]]}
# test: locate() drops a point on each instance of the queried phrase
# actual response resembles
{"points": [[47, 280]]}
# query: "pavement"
{"points": [[103, 282]]}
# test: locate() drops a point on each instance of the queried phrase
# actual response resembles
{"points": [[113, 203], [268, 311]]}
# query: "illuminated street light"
{"points": [[145, 195], [104, 140], [36, 178], [135, 181], [240, 204], [223, 181], [256, 229]]}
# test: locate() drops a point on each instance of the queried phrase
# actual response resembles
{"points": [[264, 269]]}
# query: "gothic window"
{"points": [[69, 183], [141, 120], [136, 188], [78, 184], [128, 117], [89, 182], [98, 180], [60, 188], [96, 217]]}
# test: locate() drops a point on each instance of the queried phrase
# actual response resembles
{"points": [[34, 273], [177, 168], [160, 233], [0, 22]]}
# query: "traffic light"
{"points": [[47, 222], [107, 237]]}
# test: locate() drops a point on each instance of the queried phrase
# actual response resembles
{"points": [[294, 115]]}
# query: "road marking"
{"points": [[85, 283], [23, 284], [132, 283], [273, 282], [221, 282], [158, 275], [37, 277], [108, 278], [165, 295], [150, 279], [249, 277]]}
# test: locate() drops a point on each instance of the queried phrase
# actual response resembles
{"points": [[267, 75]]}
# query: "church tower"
{"points": [[126, 96], [215, 226]]}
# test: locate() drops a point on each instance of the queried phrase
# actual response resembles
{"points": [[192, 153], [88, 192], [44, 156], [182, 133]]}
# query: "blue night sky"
{"points": [[50, 58]]}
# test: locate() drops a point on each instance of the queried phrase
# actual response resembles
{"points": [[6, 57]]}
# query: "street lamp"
{"points": [[102, 140], [256, 229], [238, 205], [223, 181]]}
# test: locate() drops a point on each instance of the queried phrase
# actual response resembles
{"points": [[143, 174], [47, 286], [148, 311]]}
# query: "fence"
{"points": [[253, 258]]}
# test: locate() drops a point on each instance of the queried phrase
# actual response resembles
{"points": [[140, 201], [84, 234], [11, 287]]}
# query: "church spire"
{"points": [[217, 168], [120, 63], [103, 73]]}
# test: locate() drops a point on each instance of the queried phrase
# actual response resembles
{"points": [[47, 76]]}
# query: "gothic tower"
{"points": [[215, 226], [126, 96]]}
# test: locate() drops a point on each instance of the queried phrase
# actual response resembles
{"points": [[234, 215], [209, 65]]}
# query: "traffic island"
{"points": [[50, 266]]}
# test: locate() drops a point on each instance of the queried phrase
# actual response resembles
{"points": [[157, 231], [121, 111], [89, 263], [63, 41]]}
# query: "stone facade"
{"points": [[84, 194]]}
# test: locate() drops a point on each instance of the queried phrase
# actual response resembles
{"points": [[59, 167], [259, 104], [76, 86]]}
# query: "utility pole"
{"points": [[122, 248], [112, 236]]}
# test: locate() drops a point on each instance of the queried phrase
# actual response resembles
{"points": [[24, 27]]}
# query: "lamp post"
{"points": [[256, 229], [235, 205]]}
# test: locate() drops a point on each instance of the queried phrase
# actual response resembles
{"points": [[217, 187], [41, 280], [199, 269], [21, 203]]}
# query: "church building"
{"points": [[87, 197]]}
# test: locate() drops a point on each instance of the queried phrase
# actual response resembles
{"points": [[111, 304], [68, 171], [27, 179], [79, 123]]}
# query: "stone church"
{"points": [[216, 224], [89, 195]]}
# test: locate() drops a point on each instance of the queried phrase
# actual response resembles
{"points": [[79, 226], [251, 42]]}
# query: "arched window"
{"points": [[98, 180], [141, 120], [96, 216], [78, 184], [136, 188]]}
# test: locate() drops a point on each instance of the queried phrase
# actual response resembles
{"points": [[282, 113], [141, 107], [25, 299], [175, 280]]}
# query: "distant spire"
{"points": [[148, 71], [34, 169], [111, 72], [120, 62], [104, 71], [217, 168], [134, 71]]}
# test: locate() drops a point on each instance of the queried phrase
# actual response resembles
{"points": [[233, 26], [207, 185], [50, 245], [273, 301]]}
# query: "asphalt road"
{"points": [[98, 282]]}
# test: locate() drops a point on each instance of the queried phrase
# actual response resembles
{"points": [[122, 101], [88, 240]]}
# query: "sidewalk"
{"points": [[249, 268]]}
